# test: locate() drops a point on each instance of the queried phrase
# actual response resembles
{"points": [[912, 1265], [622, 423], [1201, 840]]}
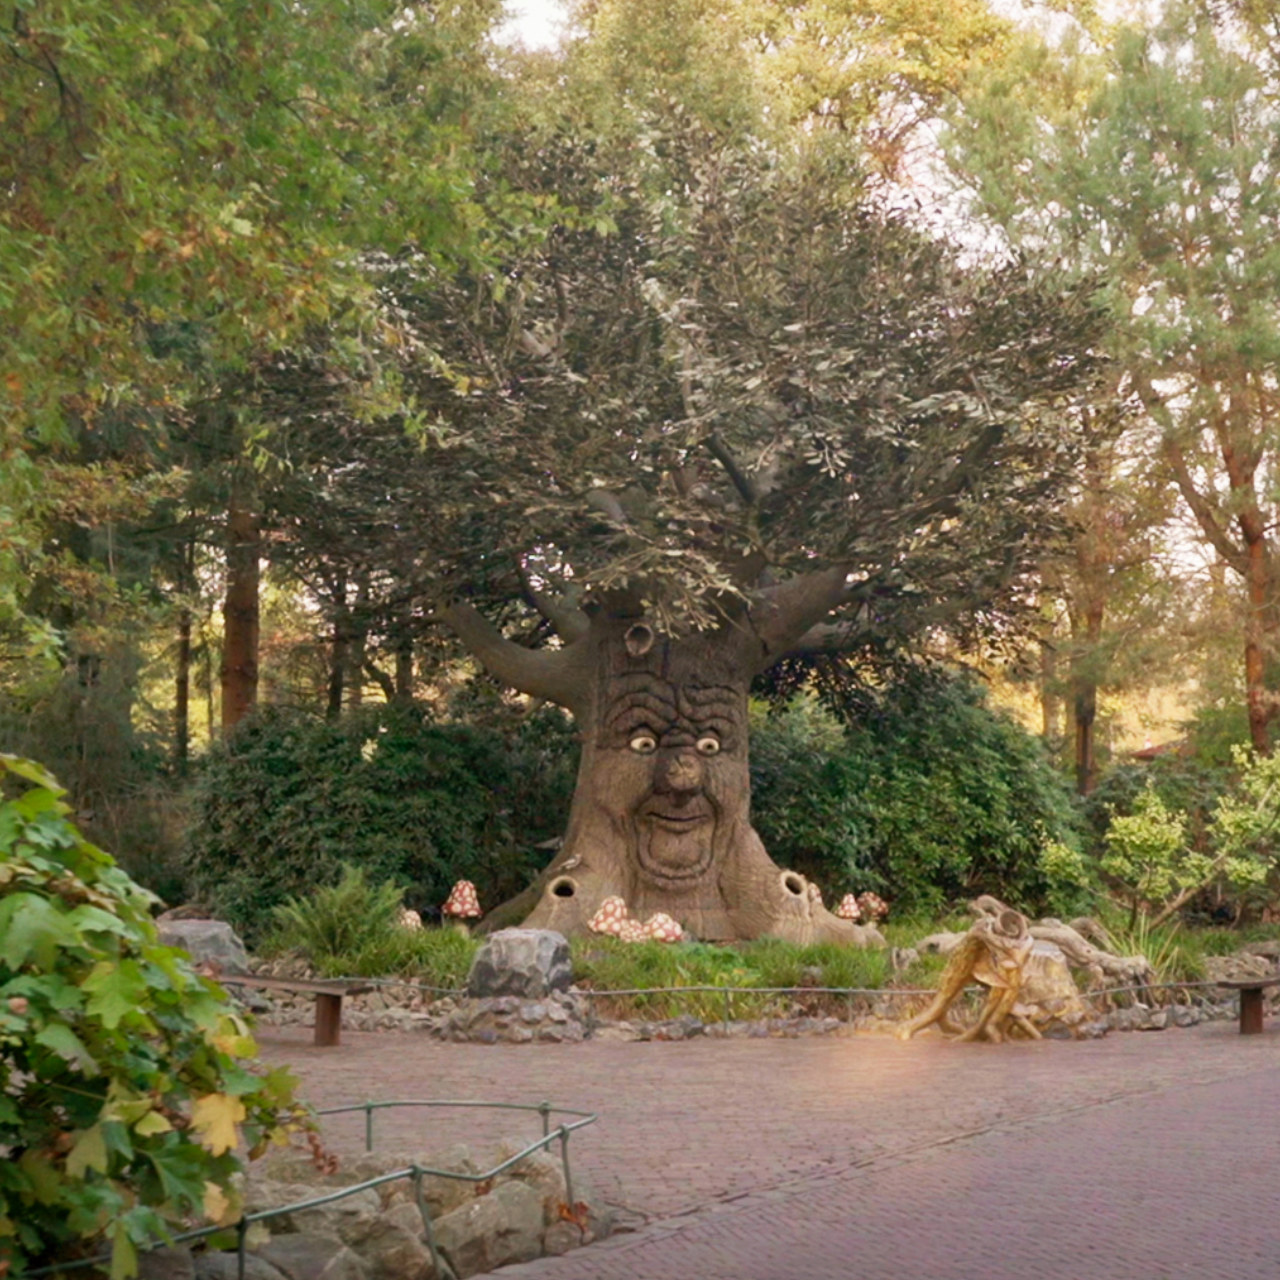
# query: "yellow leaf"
{"points": [[219, 1207], [88, 1152], [214, 1118], [152, 1122]]}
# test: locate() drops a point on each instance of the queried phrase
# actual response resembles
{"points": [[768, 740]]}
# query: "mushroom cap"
{"points": [[463, 901], [410, 919], [663, 928], [848, 908], [610, 917], [632, 931], [873, 905]]}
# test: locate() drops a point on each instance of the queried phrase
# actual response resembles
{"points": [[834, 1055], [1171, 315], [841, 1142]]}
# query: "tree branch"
{"points": [[1200, 506], [1204, 513], [543, 673], [786, 612], [741, 481], [569, 621]]}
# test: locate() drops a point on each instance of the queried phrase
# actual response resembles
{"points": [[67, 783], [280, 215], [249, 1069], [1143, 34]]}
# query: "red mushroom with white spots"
{"points": [[663, 928], [849, 909], [632, 931], [874, 907], [610, 917], [463, 904]]}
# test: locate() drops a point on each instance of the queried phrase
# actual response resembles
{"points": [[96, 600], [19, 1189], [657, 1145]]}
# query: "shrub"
{"points": [[1153, 867], [292, 797], [928, 797], [124, 1093], [338, 920]]}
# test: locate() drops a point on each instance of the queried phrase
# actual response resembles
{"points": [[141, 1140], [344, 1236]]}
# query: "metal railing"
{"points": [[415, 1172]]}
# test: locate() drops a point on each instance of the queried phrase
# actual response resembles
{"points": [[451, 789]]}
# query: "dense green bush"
{"points": [[930, 797], [292, 797], [338, 919], [124, 1096]]}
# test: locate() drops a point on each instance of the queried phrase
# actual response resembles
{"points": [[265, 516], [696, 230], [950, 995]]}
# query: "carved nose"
{"points": [[680, 774]]}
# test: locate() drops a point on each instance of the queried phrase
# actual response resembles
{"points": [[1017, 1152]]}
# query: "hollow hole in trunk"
{"points": [[792, 883], [564, 887]]}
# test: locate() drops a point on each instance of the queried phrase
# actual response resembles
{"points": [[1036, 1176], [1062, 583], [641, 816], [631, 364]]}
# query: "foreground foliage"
{"points": [[125, 1093]]}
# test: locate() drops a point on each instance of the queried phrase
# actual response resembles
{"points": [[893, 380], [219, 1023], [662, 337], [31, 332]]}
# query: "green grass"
{"points": [[350, 931]]}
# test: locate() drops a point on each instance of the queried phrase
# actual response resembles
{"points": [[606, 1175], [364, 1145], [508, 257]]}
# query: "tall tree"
{"points": [[1150, 161]]}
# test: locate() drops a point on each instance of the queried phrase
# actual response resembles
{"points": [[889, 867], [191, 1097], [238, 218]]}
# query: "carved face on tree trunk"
{"points": [[678, 766], [661, 814]]}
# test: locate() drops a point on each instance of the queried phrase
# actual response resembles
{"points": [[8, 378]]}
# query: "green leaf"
{"points": [[66, 1044], [32, 928], [118, 990]]}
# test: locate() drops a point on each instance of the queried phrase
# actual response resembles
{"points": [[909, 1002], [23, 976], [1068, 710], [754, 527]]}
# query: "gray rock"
{"points": [[211, 942], [540, 1170], [173, 1262], [560, 1237], [1185, 1016], [491, 1231], [313, 1256], [1156, 1021], [327, 1218], [393, 1246], [214, 1265], [529, 963]]}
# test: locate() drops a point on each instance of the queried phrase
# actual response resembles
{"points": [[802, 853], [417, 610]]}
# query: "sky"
{"points": [[534, 23]]}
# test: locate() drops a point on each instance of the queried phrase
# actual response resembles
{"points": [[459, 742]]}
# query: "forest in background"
{"points": [[308, 329]]}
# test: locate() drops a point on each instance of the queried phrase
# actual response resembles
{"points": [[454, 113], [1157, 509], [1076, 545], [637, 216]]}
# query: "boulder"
{"points": [[171, 1262], [215, 1265], [529, 963], [491, 1231], [313, 1256], [394, 1245], [208, 942]]}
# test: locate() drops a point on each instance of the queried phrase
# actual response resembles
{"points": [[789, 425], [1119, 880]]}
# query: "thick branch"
{"points": [[543, 673], [1204, 513], [786, 612], [569, 621], [741, 481]]}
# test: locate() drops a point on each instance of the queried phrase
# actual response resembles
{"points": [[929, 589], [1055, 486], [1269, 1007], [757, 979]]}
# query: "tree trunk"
{"points": [[1050, 701], [661, 813], [1086, 704], [182, 674], [182, 694], [239, 674], [358, 623], [338, 649], [404, 666]]}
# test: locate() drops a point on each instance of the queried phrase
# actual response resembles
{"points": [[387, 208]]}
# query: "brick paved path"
{"points": [[1128, 1157]]}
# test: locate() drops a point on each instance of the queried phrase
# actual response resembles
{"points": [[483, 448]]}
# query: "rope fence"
{"points": [[727, 993]]}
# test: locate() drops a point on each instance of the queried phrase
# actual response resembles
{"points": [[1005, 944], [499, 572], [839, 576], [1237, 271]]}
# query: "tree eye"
{"points": [[708, 746], [644, 744]]}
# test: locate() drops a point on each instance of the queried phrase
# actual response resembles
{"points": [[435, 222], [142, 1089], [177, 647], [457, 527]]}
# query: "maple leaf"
{"points": [[214, 1119]]}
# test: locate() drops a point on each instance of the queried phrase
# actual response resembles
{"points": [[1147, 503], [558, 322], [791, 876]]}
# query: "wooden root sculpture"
{"points": [[1028, 984]]}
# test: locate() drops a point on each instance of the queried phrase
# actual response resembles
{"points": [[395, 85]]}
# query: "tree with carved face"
{"points": [[774, 426]]}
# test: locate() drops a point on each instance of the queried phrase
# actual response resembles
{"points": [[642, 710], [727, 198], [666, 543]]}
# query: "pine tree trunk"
{"points": [[239, 674], [338, 649], [182, 674], [182, 694]]}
